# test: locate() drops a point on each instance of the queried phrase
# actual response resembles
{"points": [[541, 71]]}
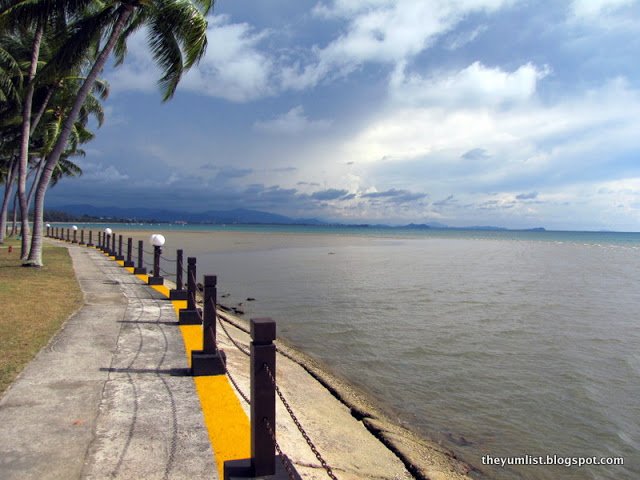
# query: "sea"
{"points": [[498, 344]]}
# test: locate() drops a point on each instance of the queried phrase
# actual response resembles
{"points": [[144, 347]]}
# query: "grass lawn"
{"points": [[34, 302]]}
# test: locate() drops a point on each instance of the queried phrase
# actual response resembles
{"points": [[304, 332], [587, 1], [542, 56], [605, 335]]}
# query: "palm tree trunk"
{"points": [[37, 173], [8, 187], [35, 255], [24, 144], [14, 215], [43, 108]]}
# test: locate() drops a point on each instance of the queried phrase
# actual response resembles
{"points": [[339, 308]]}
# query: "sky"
{"points": [[511, 113]]}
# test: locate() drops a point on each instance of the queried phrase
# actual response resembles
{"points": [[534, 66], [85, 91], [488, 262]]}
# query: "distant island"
{"points": [[89, 213]]}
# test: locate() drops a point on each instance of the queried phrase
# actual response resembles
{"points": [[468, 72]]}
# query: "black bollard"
{"points": [[48, 230], [68, 235], [112, 252], [179, 293], [263, 405], [128, 262], [82, 237], [75, 239], [191, 315], [140, 269], [156, 278], [209, 360], [119, 256], [90, 244]]}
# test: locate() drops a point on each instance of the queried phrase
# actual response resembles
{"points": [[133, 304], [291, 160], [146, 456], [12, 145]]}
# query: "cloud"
{"points": [[459, 40], [329, 194], [380, 31], [97, 172], [233, 67], [527, 196], [396, 196], [591, 9], [475, 85], [475, 154], [291, 123]]}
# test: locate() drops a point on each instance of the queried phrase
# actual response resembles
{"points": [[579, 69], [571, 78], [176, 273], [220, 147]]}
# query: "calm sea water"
{"points": [[499, 343]]}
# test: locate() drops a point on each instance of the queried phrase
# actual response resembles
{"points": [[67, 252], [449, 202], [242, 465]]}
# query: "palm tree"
{"points": [[177, 40]]}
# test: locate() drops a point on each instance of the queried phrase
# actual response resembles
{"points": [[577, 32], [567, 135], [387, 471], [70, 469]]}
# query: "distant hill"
{"points": [[236, 216]]}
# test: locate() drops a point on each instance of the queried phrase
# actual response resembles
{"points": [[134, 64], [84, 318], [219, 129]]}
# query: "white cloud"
{"points": [[464, 38], [233, 67], [526, 142], [381, 31], [472, 86], [292, 122], [97, 172], [590, 9]]}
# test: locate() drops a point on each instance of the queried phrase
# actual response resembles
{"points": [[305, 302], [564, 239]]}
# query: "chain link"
{"points": [[299, 425], [168, 259], [286, 463], [235, 385], [235, 342]]}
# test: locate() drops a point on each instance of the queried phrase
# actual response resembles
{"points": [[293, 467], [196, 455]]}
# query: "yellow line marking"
{"points": [[162, 289], [227, 424]]}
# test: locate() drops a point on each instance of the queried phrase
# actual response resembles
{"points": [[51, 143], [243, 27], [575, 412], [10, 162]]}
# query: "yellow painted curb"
{"points": [[227, 424]]}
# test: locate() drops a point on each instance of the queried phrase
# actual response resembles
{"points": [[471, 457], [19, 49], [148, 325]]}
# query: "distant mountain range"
{"points": [[237, 216], [227, 217]]}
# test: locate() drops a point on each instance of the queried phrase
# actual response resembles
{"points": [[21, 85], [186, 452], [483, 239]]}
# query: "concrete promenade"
{"points": [[108, 397]]}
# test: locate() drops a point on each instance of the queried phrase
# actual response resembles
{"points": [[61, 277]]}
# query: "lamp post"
{"points": [[48, 229], [107, 238], [75, 233], [157, 240]]}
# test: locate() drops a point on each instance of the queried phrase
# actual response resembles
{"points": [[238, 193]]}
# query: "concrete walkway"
{"points": [[108, 397]]}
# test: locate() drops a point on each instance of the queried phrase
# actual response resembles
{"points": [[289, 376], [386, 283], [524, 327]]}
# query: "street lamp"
{"points": [[157, 240], [75, 229], [106, 238]]}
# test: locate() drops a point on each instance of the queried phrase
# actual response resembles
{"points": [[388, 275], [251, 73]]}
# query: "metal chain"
{"points": [[168, 259], [286, 463], [235, 385], [235, 343], [168, 274], [148, 252], [299, 425]]}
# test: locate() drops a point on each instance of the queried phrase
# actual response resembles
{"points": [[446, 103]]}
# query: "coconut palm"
{"points": [[176, 33]]}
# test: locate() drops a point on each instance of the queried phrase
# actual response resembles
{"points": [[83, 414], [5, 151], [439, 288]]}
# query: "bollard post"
{"points": [[119, 256], [82, 237], [128, 262], [48, 230], [209, 360], [75, 239], [68, 235], [192, 314], [90, 244], [179, 293], [263, 404], [112, 252], [140, 269], [107, 243], [156, 278], [99, 240]]}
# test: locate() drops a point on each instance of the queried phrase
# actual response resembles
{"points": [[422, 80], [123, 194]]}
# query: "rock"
{"points": [[251, 299]]}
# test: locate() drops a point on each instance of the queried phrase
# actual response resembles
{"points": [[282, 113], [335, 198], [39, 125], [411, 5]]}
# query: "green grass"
{"points": [[34, 303]]}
